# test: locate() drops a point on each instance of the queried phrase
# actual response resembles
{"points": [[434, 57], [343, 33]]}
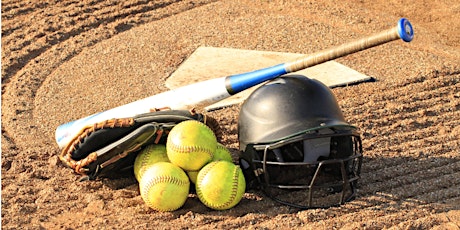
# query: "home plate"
{"points": [[210, 62]]}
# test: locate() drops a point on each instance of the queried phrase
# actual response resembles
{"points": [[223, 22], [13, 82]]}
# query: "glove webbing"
{"points": [[86, 131]]}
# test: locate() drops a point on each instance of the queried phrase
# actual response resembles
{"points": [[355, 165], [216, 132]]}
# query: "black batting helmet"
{"points": [[296, 145]]}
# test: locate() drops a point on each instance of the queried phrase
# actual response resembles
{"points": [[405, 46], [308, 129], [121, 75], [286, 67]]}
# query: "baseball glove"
{"points": [[111, 146]]}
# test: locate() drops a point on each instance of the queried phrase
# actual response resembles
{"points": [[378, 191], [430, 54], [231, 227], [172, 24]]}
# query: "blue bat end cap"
{"points": [[405, 31]]}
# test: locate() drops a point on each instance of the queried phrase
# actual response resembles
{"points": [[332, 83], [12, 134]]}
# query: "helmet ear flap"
{"points": [[248, 168], [341, 147]]}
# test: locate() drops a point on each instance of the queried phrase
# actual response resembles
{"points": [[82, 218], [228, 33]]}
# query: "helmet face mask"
{"points": [[314, 161], [286, 172]]}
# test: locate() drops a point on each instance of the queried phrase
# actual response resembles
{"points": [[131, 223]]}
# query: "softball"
{"points": [[192, 175], [164, 187], [222, 154], [220, 185], [190, 145], [148, 156]]}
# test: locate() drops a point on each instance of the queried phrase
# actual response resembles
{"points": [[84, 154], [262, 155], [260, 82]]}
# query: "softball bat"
{"points": [[211, 91]]}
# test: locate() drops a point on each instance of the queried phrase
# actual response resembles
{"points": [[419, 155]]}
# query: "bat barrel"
{"points": [[402, 31]]}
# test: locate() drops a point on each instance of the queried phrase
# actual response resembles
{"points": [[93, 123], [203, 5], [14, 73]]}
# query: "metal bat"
{"points": [[214, 90]]}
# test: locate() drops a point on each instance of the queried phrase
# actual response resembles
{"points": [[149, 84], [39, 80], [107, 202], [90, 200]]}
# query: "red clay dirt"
{"points": [[62, 60]]}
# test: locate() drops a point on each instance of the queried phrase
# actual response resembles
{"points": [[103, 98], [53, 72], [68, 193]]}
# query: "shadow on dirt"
{"points": [[390, 184]]}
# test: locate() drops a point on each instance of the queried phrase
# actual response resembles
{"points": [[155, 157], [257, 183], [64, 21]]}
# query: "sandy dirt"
{"points": [[62, 60]]}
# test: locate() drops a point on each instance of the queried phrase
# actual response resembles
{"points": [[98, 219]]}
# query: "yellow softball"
{"points": [[222, 153], [220, 185], [192, 175], [164, 187], [148, 156], [190, 145]]}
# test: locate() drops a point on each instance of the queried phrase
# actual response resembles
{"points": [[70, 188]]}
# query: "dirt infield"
{"points": [[62, 60]]}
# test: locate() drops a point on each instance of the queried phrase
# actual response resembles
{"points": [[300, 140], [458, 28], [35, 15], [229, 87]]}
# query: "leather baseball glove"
{"points": [[110, 146]]}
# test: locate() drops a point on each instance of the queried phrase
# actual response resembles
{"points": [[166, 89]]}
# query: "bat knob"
{"points": [[405, 31]]}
